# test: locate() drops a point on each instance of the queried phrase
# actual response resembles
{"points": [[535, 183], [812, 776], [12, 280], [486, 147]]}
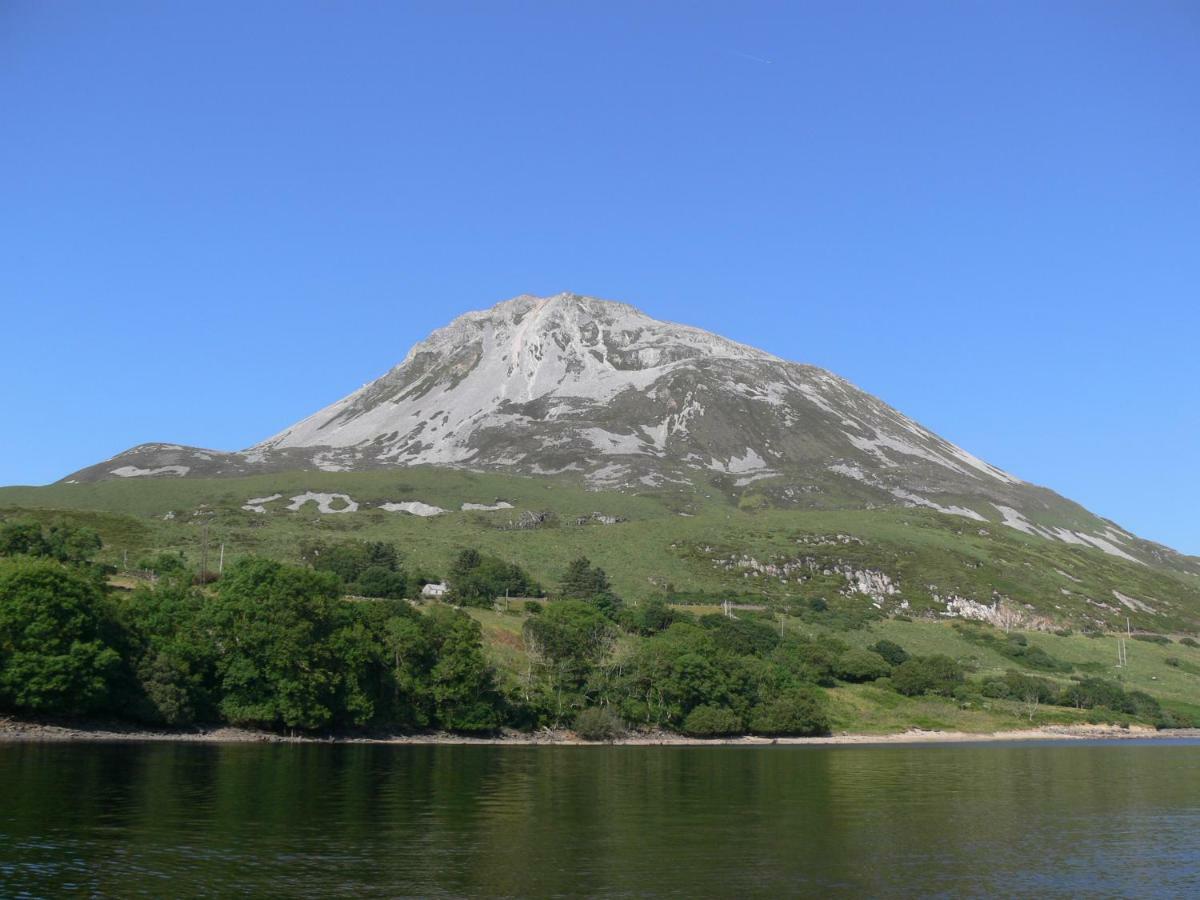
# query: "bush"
{"points": [[163, 564], [741, 637], [1152, 638], [712, 721], [800, 711], [1017, 686], [1173, 661], [891, 651], [599, 723], [1189, 642], [859, 666], [651, 617], [927, 675], [1090, 693]]}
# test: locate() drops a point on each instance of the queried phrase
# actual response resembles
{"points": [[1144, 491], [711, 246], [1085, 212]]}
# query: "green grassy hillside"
{"points": [[693, 544]]}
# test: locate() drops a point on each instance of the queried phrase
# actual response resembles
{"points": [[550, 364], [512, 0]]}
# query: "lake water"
{"points": [[319, 821]]}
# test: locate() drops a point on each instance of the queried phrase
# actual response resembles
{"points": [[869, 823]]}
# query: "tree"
{"points": [[583, 581], [22, 538], [463, 684], [67, 543], [565, 643], [272, 626], [53, 654], [478, 580]]}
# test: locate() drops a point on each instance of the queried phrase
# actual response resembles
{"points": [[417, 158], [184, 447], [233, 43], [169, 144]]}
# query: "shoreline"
{"points": [[17, 731]]}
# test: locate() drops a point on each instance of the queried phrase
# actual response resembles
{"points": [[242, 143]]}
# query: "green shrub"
{"points": [[163, 564], [712, 721], [857, 666], [1189, 642], [599, 723], [1173, 661], [1152, 638], [741, 637], [891, 651], [928, 675], [800, 711]]}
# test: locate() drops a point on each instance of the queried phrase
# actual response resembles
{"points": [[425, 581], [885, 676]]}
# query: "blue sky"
{"points": [[216, 218]]}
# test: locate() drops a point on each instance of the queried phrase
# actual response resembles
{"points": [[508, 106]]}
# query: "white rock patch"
{"points": [[413, 507], [323, 502], [483, 507], [259, 504], [1133, 603]]}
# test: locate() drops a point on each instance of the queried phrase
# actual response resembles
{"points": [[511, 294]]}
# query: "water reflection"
{"points": [[1055, 820]]}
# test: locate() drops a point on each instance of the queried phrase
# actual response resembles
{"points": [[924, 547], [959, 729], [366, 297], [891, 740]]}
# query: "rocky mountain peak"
{"points": [[597, 390]]}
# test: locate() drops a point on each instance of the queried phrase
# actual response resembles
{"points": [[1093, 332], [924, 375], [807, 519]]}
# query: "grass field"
{"points": [[667, 541]]}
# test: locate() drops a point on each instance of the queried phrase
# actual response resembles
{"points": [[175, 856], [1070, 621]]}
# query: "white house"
{"points": [[434, 591]]}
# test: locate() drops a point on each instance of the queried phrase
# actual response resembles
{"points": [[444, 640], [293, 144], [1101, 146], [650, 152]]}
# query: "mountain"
{"points": [[596, 390]]}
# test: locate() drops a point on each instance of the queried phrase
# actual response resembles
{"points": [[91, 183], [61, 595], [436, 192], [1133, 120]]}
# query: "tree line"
{"points": [[279, 646]]}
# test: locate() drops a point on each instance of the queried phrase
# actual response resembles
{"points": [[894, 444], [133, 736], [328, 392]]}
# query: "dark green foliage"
{"points": [[1018, 686], [742, 636], [651, 617], [891, 651], [677, 670], [799, 711], [365, 568], [377, 581], [478, 580], [1091, 693], [858, 666], [273, 625], [566, 643], [1189, 642], [277, 647], [463, 685], [928, 675], [810, 660], [599, 723], [583, 581], [62, 541], [163, 564], [54, 657], [712, 721]]}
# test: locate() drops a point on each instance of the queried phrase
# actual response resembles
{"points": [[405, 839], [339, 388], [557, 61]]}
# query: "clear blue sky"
{"points": [[217, 217]]}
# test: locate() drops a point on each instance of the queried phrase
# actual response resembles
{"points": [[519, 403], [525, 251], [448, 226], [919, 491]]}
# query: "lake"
{"points": [[322, 820]]}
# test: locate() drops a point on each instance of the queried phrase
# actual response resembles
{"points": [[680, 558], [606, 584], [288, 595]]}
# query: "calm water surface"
{"points": [[317, 821]]}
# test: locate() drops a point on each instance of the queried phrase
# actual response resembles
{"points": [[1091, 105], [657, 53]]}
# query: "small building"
{"points": [[434, 590]]}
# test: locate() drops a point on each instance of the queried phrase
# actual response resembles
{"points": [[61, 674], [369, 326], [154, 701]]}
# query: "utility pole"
{"points": [[221, 563]]}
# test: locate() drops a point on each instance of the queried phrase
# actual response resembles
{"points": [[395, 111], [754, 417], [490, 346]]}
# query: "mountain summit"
{"points": [[597, 390]]}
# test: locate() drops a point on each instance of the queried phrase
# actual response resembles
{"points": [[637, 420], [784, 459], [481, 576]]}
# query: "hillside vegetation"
{"points": [[693, 611]]}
